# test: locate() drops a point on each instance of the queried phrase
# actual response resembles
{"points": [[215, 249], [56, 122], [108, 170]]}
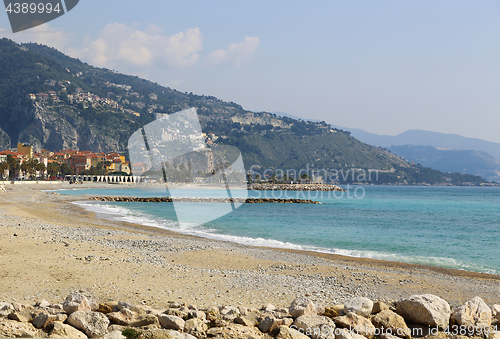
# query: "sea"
{"points": [[451, 227]]}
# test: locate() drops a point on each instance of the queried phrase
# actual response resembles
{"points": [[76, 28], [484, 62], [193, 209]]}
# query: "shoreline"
{"points": [[206, 271]]}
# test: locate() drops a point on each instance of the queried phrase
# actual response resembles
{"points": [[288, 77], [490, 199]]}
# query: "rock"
{"points": [[496, 312], [330, 312], [15, 329], [301, 306], [268, 308], [103, 308], [379, 306], [115, 335], [269, 323], [344, 333], [426, 309], [94, 305], [111, 304], [171, 322], [389, 322], [315, 326], [361, 306], [197, 314], [320, 309], [60, 330], [176, 312], [284, 332], [134, 308], [390, 336], [357, 324], [495, 335], [234, 331], [43, 304], [18, 317], [196, 327], [229, 313], [474, 313], [18, 307], [165, 334], [123, 317], [116, 327], [42, 319], [93, 324], [6, 309], [243, 321], [145, 320], [76, 302]]}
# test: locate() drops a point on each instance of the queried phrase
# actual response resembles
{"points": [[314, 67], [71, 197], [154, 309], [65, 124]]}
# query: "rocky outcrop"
{"points": [[425, 309]]}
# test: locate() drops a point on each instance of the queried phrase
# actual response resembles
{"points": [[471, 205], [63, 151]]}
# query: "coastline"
{"points": [[124, 261]]}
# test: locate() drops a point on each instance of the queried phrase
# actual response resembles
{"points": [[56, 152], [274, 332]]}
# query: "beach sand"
{"points": [[51, 247]]}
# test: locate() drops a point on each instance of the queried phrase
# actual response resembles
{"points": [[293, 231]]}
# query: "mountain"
{"points": [[427, 138], [54, 101], [446, 160]]}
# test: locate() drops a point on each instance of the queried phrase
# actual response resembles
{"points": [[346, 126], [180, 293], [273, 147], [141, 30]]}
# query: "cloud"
{"points": [[118, 44], [44, 34], [235, 54]]}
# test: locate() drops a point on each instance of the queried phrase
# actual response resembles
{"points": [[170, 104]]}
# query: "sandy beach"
{"points": [[51, 247]]}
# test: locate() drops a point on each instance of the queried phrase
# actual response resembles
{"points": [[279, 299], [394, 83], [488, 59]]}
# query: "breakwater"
{"points": [[294, 187], [210, 200]]}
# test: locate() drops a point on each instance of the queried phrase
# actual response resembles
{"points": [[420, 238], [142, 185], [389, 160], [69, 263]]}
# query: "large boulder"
{"points": [[171, 322], [474, 313], [234, 331], [60, 330], [426, 309], [361, 306], [392, 323], [356, 324], [93, 324], [76, 302], [301, 306], [315, 326]]}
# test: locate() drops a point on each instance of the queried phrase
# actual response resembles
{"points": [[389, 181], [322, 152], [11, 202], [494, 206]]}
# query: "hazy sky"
{"points": [[380, 65]]}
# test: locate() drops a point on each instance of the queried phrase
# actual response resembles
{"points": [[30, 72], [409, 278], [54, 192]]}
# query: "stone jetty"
{"points": [[294, 187], [210, 200], [80, 316]]}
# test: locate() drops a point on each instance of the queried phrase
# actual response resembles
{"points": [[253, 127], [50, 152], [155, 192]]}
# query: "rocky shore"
{"points": [[416, 316], [211, 200], [294, 187]]}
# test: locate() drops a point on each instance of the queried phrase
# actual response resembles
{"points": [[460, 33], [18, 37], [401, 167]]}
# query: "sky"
{"points": [[384, 66]]}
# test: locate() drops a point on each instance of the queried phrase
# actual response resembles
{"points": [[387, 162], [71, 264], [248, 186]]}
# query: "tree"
{"points": [[53, 169]]}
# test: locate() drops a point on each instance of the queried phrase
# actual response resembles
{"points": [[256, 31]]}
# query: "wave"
{"points": [[120, 213]]}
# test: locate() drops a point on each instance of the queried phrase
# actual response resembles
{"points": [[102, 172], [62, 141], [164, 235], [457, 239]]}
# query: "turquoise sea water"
{"points": [[453, 227]]}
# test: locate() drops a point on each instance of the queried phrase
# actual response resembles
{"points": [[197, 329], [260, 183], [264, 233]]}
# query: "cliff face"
{"points": [[55, 128]]}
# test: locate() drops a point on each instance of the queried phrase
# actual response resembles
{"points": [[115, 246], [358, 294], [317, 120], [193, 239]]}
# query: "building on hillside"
{"points": [[26, 149], [79, 162]]}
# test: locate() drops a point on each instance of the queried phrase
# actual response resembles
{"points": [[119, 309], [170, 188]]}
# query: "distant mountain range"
{"points": [[444, 152]]}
